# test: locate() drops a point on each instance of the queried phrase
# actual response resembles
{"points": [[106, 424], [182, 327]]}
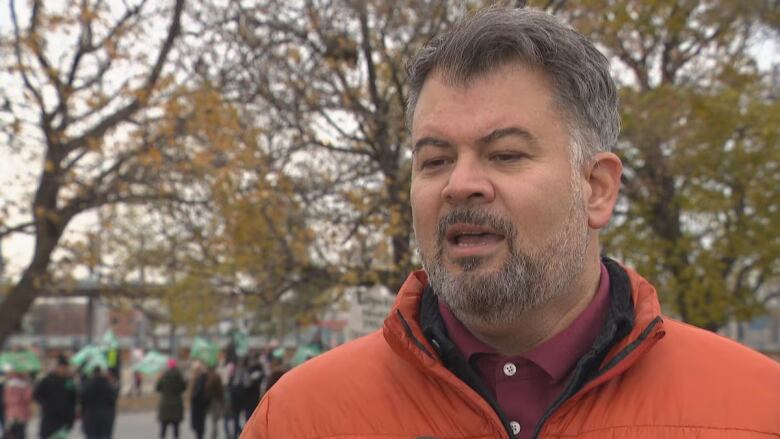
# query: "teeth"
{"points": [[457, 238]]}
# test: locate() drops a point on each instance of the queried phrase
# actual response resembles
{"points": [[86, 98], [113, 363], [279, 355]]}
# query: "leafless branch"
{"points": [[21, 66], [142, 94], [20, 228]]}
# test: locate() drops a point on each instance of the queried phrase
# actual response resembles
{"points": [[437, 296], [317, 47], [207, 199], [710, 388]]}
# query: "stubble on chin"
{"points": [[470, 263], [477, 294]]}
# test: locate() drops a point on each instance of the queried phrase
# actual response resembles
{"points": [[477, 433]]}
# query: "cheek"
{"points": [[425, 212], [535, 212]]}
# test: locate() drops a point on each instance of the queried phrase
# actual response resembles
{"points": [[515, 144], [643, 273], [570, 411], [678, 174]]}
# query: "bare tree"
{"points": [[327, 78], [87, 80]]}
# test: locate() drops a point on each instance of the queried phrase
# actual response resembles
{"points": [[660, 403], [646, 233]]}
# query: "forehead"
{"points": [[512, 95]]}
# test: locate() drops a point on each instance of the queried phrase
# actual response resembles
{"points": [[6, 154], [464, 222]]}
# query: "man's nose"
{"points": [[468, 182]]}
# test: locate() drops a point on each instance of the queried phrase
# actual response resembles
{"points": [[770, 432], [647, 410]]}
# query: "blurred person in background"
{"points": [[278, 369], [170, 410], [199, 400], [56, 394], [17, 398], [99, 393], [236, 397], [4, 375], [225, 372], [138, 383], [244, 388], [215, 394], [256, 379]]}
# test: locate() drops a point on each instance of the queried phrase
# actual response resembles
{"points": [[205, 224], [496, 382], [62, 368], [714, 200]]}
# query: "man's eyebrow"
{"points": [[486, 140], [430, 141], [508, 132]]}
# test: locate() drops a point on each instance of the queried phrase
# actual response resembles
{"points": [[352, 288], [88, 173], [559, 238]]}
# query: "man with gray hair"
{"points": [[516, 327]]}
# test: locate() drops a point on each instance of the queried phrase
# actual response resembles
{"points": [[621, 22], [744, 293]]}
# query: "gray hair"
{"points": [[583, 88]]}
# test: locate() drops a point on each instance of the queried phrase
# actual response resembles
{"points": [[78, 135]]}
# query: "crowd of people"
{"points": [[221, 397], [63, 395]]}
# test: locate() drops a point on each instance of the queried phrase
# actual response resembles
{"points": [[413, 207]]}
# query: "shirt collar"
{"points": [[557, 355]]}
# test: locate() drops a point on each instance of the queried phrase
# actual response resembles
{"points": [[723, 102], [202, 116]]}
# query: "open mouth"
{"points": [[469, 235]]}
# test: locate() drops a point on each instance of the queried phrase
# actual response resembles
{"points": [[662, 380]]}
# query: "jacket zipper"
{"points": [[468, 390], [569, 395]]}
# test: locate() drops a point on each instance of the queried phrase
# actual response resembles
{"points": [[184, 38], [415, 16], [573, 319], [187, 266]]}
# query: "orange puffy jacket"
{"points": [[664, 379]]}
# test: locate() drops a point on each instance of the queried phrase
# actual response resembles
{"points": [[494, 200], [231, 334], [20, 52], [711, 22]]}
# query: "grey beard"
{"points": [[524, 282], [489, 298]]}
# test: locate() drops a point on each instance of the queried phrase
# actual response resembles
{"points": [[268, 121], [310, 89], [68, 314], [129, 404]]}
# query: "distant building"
{"points": [[367, 311], [57, 317], [65, 322], [362, 312]]}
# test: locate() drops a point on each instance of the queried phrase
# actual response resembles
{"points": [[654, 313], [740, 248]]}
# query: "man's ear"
{"points": [[603, 179]]}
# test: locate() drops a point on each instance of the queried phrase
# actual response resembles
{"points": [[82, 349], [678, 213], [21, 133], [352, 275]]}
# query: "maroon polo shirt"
{"points": [[526, 385]]}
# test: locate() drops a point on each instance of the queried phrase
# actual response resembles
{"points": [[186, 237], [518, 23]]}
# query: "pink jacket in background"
{"points": [[17, 397]]}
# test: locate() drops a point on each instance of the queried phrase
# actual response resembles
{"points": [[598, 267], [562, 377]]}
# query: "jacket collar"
{"points": [[402, 329], [415, 331], [414, 327]]}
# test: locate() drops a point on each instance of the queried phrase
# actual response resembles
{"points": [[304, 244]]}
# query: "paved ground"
{"points": [[139, 425]]}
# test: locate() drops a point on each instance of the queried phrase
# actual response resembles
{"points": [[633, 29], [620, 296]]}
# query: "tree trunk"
{"points": [[20, 299], [33, 282]]}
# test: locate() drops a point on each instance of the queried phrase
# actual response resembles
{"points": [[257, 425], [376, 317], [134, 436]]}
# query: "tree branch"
{"points": [[640, 70], [142, 94], [23, 69], [368, 54], [19, 228]]}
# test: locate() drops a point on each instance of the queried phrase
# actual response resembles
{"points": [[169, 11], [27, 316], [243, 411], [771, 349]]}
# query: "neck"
{"points": [[538, 325]]}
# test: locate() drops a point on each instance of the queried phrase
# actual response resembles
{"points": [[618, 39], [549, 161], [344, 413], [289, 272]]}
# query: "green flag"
{"points": [[95, 361], [85, 354], [204, 351], [304, 352], [151, 363], [109, 341], [241, 342], [21, 361]]}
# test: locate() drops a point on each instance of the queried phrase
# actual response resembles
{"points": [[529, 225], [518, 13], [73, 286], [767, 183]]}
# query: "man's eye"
{"points": [[434, 163], [507, 157]]}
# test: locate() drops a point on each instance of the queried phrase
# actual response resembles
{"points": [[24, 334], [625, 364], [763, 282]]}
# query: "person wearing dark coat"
{"points": [[56, 393], [6, 375], [199, 401], [256, 378], [98, 405], [244, 387], [278, 369], [215, 393], [171, 385], [3, 378]]}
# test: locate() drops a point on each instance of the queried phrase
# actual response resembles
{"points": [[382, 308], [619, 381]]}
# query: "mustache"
{"points": [[475, 217]]}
